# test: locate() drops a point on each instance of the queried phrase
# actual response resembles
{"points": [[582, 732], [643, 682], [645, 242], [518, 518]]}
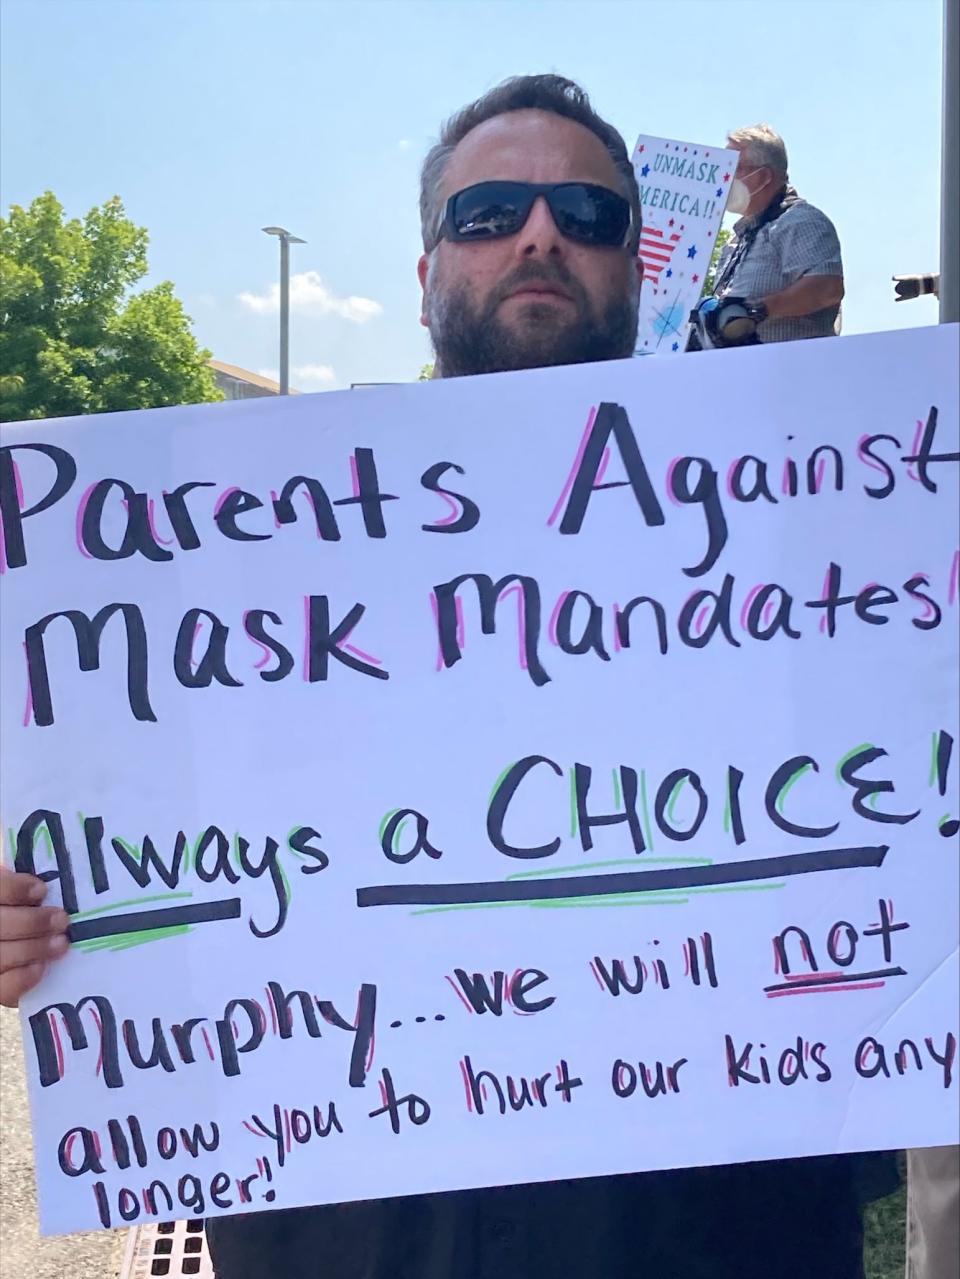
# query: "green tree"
{"points": [[722, 238], [426, 372], [72, 337]]}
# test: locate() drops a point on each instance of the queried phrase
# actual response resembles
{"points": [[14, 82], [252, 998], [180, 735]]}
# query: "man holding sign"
{"points": [[531, 218]]}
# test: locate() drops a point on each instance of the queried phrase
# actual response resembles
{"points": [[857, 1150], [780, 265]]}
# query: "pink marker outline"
{"points": [[555, 617], [28, 708], [435, 609], [866, 459], [748, 601], [517, 590], [456, 510], [18, 486], [917, 438], [259, 643], [565, 492], [151, 520], [218, 505], [824, 596], [671, 496], [81, 511]]}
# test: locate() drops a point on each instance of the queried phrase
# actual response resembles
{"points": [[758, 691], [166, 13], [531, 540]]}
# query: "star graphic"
{"points": [[684, 148], [640, 148], [719, 192], [694, 153], [692, 251], [695, 279], [645, 170], [670, 223], [669, 273], [675, 347], [709, 235], [681, 226], [726, 177]]}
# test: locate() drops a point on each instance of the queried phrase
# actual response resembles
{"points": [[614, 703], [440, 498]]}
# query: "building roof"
{"points": [[245, 375]]}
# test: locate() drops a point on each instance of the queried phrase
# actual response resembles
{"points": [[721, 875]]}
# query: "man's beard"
{"points": [[468, 339]]}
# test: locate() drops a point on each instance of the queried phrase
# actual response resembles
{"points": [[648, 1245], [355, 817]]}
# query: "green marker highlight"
{"points": [[496, 786], [394, 843], [674, 796], [135, 851], [789, 784], [133, 901], [126, 941], [620, 861], [864, 746], [647, 829], [664, 897], [386, 818], [293, 830]]}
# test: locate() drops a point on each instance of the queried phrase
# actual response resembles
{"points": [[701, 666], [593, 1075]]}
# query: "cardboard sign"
{"points": [[498, 780], [683, 193]]}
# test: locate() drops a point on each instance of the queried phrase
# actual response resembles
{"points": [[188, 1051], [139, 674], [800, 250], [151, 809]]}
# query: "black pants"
{"points": [[789, 1219]]}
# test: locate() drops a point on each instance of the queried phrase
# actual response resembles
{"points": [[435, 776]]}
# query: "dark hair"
{"points": [[530, 92]]}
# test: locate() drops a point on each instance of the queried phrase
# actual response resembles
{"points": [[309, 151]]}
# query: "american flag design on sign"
{"points": [[656, 249], [683, 191]]}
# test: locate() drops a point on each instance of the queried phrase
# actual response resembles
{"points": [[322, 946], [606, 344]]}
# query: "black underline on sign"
{"points": [[818, 979], [144, 920], [632, 881]]}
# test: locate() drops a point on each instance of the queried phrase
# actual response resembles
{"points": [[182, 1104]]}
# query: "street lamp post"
{"points": [[286, 239], [950, 172]]}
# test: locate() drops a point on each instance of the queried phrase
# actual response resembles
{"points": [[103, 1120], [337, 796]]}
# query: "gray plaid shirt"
{"points": [[801, 241]]}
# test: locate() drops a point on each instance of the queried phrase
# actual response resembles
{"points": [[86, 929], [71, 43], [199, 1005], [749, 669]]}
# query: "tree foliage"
{"points": [[708, 283], [72, 337]]}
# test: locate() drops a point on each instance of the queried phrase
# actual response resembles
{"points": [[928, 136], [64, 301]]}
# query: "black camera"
{"points": [[914, 286], [728, 321]]}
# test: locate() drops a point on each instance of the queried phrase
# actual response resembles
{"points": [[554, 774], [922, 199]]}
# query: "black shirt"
{"points": [[788, 1219]]}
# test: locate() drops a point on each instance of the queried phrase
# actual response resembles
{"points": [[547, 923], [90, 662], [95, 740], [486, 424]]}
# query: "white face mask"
{"points": [[740, 194]]}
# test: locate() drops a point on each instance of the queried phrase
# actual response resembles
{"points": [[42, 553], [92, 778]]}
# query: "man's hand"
{"points": [[31, 935]]}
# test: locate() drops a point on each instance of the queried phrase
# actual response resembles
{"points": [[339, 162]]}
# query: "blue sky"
{"points": [[213, 118]]}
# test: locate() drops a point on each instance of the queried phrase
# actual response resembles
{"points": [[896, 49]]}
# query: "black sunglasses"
{"points": [[589, 214]]}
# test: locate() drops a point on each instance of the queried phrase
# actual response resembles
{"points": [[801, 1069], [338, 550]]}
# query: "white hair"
{"points": [[762, 146]]}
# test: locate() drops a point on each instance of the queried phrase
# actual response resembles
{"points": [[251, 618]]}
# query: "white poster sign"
{"points": [[506, 779], [683, 193]]}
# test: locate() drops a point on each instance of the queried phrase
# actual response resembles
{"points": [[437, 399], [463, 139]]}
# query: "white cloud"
{"points": [[310, 296], [319, 374]]}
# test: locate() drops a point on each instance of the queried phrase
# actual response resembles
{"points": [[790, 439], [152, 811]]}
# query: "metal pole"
{"points": [[284, 315], [950, 167]]}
